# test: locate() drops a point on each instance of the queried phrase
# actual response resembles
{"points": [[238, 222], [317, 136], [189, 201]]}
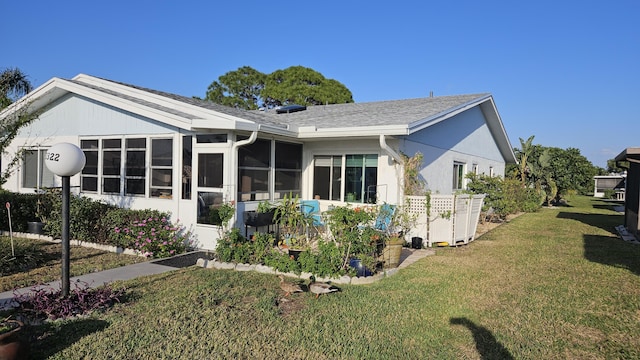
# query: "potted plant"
{"points": [[263, 216], [12, 346], [401, 223], [292, 223], [36, 226]]}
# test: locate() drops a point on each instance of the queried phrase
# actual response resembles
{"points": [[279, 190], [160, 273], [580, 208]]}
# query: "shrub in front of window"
{"points": [[157, 237]]}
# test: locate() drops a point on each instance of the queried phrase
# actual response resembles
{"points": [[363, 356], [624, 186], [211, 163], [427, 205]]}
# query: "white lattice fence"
{"points": [[452, 218]]}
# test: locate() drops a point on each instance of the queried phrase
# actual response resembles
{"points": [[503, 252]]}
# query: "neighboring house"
{"points": [[615, 183], [632, 197], [150, 149]]}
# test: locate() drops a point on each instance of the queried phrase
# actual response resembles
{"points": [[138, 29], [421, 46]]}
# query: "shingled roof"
{"points": [[380, 113]]}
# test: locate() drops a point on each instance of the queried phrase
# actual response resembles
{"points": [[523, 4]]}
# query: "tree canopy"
{"points": [[247, 88], [554, 171], [13, 85]]}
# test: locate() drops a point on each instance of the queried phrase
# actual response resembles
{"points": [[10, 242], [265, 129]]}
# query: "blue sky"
{"points": [[567, 72]]}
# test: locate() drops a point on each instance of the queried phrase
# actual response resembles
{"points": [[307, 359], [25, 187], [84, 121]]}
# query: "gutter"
{"points": [[399, 172], [234, 162], [389, 150]]}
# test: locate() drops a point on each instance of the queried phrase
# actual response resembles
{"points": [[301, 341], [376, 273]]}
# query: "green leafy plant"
{"points": [[157, 237], [292, 222], [264, 207]]}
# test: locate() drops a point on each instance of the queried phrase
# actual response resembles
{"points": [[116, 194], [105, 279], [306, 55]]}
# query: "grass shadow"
{"points": [[50, 338], [602, 221], [486, 344], [612, 251]]}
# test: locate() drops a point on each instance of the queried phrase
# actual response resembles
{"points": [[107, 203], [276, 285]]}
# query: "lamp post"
{"points": [[65, 160]]}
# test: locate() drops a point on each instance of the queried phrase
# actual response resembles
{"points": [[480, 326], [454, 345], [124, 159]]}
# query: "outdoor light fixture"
{"points": [[65, 160]]}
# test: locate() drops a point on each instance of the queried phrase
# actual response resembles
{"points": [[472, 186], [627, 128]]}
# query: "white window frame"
{"points": [[41, 170], [122, 177], [458, 176]]}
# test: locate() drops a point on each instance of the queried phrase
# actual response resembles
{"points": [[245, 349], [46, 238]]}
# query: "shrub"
{"points": [[49, 303], [85, 214], [156, 237], [505, 196], [326, 261], [122, 218], [283, 262], [23, 210]]}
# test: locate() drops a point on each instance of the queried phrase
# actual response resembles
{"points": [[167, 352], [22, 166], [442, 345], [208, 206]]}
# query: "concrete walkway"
{"points": [[95, 279]]}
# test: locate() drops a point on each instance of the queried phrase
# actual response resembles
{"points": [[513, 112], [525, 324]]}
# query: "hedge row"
{"points": [[89, 220]]}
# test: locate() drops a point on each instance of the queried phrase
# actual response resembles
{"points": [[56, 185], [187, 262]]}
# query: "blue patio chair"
{"points": [[383, 221], [312, 208]]}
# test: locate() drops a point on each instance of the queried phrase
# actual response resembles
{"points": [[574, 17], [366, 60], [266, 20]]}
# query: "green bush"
{"points": [[156, 237], [609, 194], [23, 209], [283, 262], [326, 261], [505, 196], [121, 218], [84, 216]]}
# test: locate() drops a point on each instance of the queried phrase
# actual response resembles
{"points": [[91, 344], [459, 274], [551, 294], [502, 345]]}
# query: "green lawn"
{"points": [[38, 262], [553, 284]]}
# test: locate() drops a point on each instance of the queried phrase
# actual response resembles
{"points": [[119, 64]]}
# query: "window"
{"points": [[458, 176], [161, 168], [35, 173], [210, 170], [128, 166], [89, 174], [254, 161], [288, 169], [111, 165], [135, 169], [360, 173], [211, 138], [327, 178], [187, 153], [255, 169]]}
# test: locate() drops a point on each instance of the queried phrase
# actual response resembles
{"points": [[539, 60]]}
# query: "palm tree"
{"points": [[526, 150], [13, 85]]}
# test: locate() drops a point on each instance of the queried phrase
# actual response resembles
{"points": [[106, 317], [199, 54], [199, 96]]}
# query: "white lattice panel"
{"points": [[452, 218], [460, 221], [474, 216], [416, 206]]}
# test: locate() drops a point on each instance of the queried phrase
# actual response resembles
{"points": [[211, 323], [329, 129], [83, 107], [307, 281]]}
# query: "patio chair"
{"points": [[311, 208], [383, 221]]}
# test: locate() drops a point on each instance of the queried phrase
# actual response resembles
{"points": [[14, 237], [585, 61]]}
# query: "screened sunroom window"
{"points": [[261, 178], [161, 168], [360, 177]]}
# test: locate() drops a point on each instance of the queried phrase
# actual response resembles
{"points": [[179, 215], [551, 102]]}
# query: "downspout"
{"points": [[399, 173], [234, 162]]}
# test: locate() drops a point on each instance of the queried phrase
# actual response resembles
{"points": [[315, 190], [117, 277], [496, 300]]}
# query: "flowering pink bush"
{"points": [[157, 237]]}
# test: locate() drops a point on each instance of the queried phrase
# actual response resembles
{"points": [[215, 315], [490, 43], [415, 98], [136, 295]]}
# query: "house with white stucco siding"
{"points": [[150, 149]]}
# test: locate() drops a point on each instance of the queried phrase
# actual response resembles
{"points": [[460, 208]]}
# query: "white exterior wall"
{"points": [[74, 117], [464, 138], [387, 169]]}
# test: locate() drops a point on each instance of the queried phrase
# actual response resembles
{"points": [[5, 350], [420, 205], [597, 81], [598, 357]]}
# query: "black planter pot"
{"points": [[35, 227], [256, 219]]}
